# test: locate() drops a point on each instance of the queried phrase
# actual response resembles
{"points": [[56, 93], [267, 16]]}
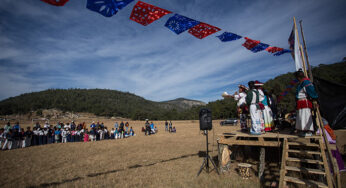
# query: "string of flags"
{"points": [[288, 88], [144, 14]]}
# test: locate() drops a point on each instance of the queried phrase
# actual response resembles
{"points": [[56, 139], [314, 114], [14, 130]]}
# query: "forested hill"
{"points": [[98, 101]]}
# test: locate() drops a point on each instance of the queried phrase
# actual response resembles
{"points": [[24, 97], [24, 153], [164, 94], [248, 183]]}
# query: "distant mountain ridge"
{"points": [[98, 101], [185, 103]]}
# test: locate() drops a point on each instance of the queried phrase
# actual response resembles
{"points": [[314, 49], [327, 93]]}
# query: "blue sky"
{"points": [[43, 46]]}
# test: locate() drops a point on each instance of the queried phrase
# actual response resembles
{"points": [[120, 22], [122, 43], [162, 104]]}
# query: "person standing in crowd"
{"points": [[121, 127], [7, 127], [40, 136], [147, 127], [57, 134], [8, 140], [45, 136], [116, 125], [305, 95], [2, 137], [92, 126], [86, 136], [127, 126], [64, 135], [17, 126], [116, 133], [252, 100], [28, 137], [170, 126], [152, 128], [166, 125], [51, 139]]}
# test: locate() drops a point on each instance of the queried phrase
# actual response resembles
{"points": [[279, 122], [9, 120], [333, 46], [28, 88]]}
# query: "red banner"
{"points": [[203, 30], [272, 49], [249, 43], [145, 14], [56, 2]]}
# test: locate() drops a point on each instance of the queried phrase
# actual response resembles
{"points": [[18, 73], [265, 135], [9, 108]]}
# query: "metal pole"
{"points": [[207, 165]]}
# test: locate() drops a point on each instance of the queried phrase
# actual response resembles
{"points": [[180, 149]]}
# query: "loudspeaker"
{"points": [[205, 120]]}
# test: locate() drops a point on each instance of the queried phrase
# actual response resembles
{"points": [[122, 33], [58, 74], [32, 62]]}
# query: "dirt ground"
{"points": [[161, 160]]}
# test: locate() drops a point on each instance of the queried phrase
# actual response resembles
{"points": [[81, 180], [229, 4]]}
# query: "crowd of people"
{"points": [[12, 137], [258, 104]]}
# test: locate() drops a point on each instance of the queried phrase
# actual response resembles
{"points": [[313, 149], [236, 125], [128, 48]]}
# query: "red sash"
{"points": [[304, 103]]}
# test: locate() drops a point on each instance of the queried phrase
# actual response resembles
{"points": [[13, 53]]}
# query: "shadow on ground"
{"points": [[114, 171]]}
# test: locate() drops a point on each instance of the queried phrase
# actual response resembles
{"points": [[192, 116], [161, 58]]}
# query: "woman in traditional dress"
{"points": [[252, 100], [267, 115], [305, 94]]}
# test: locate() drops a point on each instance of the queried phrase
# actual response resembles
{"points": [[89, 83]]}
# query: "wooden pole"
{"points": [[305, 52], [296, 34]]}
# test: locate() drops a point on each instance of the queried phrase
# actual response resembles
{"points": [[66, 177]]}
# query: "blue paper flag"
{"points": [[107, 8], [227, 36], [282, 52], [259, 47], [179, 24]]}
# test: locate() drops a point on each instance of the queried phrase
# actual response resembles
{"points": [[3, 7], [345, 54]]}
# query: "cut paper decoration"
{"points": [[145, 14], [227, 36], [249, 43], [107, 8], [259, 47], [179, 24], [273, 49], [56, 2], [203, 30], [282, 52]]}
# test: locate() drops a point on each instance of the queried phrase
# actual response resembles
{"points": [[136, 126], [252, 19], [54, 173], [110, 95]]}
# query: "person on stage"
{"points": [[305, 95], [242, 108], [267, 115], [252, 100]]}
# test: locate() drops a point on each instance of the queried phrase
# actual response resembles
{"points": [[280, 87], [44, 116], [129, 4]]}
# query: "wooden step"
{"points": [[303, 144], [307, 170], [292, 159], [305, 182], [304, 152]]}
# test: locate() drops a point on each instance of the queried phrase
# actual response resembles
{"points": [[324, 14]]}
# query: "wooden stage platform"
{"points": [[269, 139]]}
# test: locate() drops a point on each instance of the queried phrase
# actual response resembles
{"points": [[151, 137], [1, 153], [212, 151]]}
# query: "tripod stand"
{"points": [[207, 158]]}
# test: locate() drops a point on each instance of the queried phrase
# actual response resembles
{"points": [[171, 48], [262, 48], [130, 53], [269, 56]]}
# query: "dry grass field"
{"points": [[161, 160]]}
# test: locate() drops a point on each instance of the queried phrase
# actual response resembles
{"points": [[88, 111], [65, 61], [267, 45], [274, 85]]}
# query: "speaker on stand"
{"points": [[206, 124]]}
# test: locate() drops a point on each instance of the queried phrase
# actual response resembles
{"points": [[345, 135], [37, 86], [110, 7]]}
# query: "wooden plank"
{"points": [[250, 143], [326, 165], [267, 135], [304, 160], [283, 164], [262, 163], [304, 152], [305, 170], [305, 182], [303, 144]]}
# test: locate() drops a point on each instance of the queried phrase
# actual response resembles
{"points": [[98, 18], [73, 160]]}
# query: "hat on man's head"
{"points": [[242, 86], [258, 83]]}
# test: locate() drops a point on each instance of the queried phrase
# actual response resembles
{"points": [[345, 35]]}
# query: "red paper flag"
{"points": [[203, 30], [272, 49], [56, 2], [145, 14], [249, 43]]}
